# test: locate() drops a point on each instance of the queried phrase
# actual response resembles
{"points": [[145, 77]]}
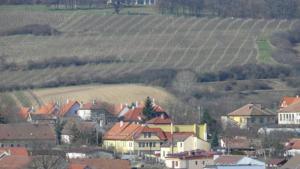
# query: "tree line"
{"points": [[232, 8]]}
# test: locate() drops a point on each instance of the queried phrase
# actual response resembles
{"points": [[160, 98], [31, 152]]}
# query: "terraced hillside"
{"points": [[131, 43]]}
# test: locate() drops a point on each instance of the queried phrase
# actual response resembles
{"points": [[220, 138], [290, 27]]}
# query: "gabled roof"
{"points": [[48, 108], [251, 110], [26, 131], [144, 129], [24, 112], [67, 107], [228, 159], [16, 151], [101, 163], [128, 131], [121, 131], [160, 120], [294, 107], [293, 144], [287, 100]]}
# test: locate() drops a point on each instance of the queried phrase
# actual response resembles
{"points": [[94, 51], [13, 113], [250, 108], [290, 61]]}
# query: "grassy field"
{"points": [[116, 94], [265, 52], [132, 43]]}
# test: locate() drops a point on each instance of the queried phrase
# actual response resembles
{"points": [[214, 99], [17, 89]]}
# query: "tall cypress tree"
{"points": [[148, 111], [215, 140]]}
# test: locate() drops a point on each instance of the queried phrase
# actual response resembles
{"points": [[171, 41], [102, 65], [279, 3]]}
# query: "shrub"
{"points": [[34, 29]]}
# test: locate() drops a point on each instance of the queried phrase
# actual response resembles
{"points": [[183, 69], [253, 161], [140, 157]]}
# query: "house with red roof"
{"points": [[130, 137], [69, 109], [135, 113], [100, 112], [14, 158], [290, 115], [293, 147], [288, 100]]}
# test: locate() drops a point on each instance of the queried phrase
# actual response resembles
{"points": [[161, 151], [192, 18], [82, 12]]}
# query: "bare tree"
{"points": [[48, 162], [184, 81]]}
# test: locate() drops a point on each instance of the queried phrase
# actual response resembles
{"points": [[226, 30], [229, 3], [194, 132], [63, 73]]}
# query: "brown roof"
{"points": [[251, 110], [160, 120], [228, 159], [101, 163], [293, 163], [294, 107], [26, 131], [16, 151], [14, 162]]}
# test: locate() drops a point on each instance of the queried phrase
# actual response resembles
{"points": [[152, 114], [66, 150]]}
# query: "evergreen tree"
{"points": [[215, 140], [148, 111], [59, 126], [2, 119]]}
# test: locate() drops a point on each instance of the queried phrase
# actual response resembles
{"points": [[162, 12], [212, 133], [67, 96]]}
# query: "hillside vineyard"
{"points": [[131, 43]]}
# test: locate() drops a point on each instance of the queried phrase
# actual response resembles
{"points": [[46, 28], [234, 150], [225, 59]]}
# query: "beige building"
{"points": [[189, 160]]}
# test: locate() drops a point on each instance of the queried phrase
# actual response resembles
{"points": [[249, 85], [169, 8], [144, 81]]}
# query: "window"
{"points": [[143, 144], [149, 135], [261, 120], [150, 144], [154, 144], [2, 145], [140, 144], [203, 162], [181, 144], [12, 145], [196, 162], [280, 117], [253, 120], [147, 144], [176, 163]]}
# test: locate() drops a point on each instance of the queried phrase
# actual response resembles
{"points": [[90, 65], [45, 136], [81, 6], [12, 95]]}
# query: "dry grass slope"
{"points": [[126, 93]]}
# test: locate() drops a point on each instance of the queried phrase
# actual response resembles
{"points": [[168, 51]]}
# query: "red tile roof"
{"points": [[16, 151], [228, 159], [251, 110], [14, 162], [78, 166], [48, 108], [160, 120], [293, 144], [135, 114], [294, 107], [26, 131], [24, 112], [287, 100], [157, 131], [238, 143], [128, 131], [101, 163]]}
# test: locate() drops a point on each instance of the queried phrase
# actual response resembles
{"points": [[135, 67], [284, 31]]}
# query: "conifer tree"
{"points": [[148, 111], [215, 140]]}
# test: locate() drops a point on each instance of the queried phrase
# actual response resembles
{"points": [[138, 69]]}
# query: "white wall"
{"points": [[84, 114], [75, 155]]}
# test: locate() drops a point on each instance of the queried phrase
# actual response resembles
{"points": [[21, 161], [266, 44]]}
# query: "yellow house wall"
{"points": [[239, 119], [120, 145], [199, 130]]}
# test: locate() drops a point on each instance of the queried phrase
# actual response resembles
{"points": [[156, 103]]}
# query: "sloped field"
{"points": [[132, 43]]}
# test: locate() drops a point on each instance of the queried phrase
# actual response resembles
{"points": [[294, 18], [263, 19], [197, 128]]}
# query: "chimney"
{"points": [[68, 100], [153, 101], [162, 116], [94, 102], [132, 107], [81, 104], [136, 103], [121, 106], [297, 96], [121, 123]]}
